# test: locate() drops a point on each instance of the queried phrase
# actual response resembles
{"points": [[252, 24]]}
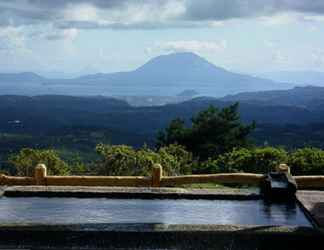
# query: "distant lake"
{"points": [[36, 89]]}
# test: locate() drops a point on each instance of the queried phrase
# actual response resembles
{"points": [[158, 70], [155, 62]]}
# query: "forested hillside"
{"points": [[79, 123], [45, 115], [214, 140]]}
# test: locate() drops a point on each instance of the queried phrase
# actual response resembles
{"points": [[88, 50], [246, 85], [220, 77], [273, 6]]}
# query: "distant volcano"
{"points": [[165, 75]]}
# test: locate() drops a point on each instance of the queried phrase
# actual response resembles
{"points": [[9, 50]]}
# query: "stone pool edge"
{"points": [[129, 193], [158, 227], [159, 236], [151, 235]]}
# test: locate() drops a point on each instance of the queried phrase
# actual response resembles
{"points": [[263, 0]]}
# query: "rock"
{"points": [[279, 186]]}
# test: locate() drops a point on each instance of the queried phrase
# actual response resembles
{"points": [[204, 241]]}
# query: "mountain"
{"points": [[20, 77], [82, 122], [299, 96], [188, 93], [261, 114], [165, 75], [173, 73], [41, 114], [297, 77]]}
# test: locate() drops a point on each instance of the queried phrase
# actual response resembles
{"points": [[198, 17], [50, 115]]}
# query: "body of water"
{"points": [[79, 211]]}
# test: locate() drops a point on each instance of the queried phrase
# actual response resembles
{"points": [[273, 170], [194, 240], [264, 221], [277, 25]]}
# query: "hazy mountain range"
{"points": [[309, 97], [165, 75], [292, 117], [43, 113], [297, 77], [81, 112], [56, 116]]}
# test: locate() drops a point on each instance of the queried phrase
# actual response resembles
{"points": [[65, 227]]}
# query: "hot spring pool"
{"points": [[53, 211]]}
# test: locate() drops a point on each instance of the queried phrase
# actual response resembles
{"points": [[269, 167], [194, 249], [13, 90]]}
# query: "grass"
{"points": [[204, 185], [232, 188]]}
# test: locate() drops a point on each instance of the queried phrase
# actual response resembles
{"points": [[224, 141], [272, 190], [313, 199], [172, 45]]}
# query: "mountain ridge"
{"points": [[298, 77], [163, 75], [297, 96]]}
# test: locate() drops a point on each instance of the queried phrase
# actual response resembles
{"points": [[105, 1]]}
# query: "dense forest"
{"points": [[98, 135]]}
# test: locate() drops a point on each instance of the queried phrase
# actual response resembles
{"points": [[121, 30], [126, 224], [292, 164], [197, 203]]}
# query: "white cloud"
{"points": [[12, 40], [270, 43], [280, 19], [134, 15], [317, 57], [66, 34], [13, 49], [189, 45], [279, 58], [82, 12], [313, 18], [153, 14]]}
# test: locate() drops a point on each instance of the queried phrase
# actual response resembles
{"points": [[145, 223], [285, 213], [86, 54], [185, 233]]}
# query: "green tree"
{"points": [[115, 160], [77, 167], [27, 159], [125, 160], [307, 161], [175, 159], [213, 132], [175, 133], [255, 160]]}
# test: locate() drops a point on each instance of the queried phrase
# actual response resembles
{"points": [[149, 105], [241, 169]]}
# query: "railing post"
{"points": [[283, 168], [2, 179], [156, 175], [40, 174]]}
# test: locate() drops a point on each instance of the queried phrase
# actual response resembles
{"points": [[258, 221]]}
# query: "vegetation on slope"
{"points": [[215, 142]]}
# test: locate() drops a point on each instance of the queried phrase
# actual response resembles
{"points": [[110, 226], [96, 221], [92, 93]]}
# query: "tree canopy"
{"points": [[212, 132], [27, 159], [125, 160]]}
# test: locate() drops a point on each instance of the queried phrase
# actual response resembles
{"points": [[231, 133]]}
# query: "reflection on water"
{"points": [[74, 211]]}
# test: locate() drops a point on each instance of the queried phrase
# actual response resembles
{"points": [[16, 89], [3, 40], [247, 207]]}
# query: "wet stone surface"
{"points": [[313, 202], [153, 236], [131, 192]]}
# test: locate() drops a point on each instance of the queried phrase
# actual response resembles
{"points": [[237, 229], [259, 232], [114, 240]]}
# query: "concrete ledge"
{"points": [[130, 193], [313, 203], [158, 236], [153, 236]]}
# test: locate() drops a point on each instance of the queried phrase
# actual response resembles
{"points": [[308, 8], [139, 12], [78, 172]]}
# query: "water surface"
{"points": [[101, 210]]}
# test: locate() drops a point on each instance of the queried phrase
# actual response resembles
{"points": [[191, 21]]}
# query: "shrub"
{"points": [[116, 160], [178, 159], [210, 166], [125, 160], [307, 161], [27, 159], [256, 160]]}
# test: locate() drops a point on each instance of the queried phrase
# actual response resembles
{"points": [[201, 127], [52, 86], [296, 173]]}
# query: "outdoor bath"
{"points": [[51, 211], [155, 212]]}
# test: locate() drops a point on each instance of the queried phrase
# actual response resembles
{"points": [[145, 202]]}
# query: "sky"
{"points": [[77, 37]]}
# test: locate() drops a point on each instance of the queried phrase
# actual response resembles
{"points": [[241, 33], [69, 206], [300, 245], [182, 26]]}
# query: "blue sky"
{"points": [[78, 36]]}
